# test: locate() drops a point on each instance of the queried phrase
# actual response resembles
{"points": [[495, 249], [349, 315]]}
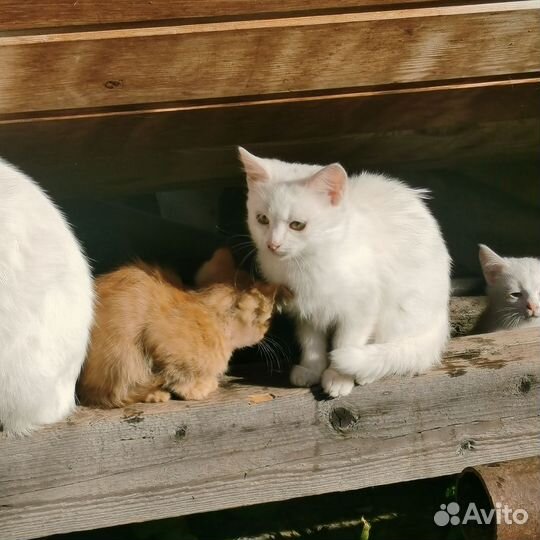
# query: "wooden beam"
{"points": [[255, 442], [105, 68], [63, 13], [148, 150], [464, 312]]}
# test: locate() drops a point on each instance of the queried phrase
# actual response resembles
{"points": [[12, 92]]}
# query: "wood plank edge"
{"points": [[512, 80], [288, 22], [15, 28]]}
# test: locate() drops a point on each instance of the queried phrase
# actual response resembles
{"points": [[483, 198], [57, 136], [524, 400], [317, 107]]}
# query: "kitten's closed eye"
{"points": [[262, 219], [297, 225], [516, 294]]}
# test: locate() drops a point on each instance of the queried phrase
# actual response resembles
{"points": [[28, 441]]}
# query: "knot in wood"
{"points": [[110, 85], [466, 446], [342, 419], [525, 384], [180, 433]]}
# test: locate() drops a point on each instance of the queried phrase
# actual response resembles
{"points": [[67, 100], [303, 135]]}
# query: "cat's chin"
{"points": [[280, 256]]}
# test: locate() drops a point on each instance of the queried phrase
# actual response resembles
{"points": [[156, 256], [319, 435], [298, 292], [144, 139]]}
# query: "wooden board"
{"points": [[15, 15], [228, 60], [257, 440], [148, 150], [464, 312]]}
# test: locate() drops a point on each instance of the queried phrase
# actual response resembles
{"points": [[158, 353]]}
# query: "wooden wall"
{"points": [[98, 98], [101, 99]]}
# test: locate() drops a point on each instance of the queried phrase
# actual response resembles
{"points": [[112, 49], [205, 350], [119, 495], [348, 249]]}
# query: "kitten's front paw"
{"points": [[335, 384], [197, 390], [157, 396], [302, 376]]}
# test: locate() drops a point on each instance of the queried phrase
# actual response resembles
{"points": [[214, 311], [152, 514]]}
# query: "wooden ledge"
{"points": [[107, 152], [234, 60], [66, 13], [254, 443]]}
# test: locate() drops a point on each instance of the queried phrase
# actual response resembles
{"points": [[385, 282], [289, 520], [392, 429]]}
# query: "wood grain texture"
{"points": [[464, 312], [266, 57], [123, 152], [155, 461], [15, 15]]}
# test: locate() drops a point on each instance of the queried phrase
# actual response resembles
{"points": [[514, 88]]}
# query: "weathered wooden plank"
{"points": [[149, 150], [255, 442], [71, 70], [464, 312], [15, 15]]}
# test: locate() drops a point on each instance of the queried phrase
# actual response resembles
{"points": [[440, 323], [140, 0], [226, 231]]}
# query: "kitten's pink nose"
{"points": [[273, 247], [532, 309]]}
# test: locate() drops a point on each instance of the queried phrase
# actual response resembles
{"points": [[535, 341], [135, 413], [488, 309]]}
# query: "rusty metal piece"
{"points": [[507, 490]]}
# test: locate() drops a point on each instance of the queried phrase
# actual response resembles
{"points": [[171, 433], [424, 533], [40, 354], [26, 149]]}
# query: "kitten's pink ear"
{"points": [[492, 264], [331, 180], [254, 167]]}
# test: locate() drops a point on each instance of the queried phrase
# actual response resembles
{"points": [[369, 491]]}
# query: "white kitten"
{"points": [[513, 289], [365, 260], [46, 297]]}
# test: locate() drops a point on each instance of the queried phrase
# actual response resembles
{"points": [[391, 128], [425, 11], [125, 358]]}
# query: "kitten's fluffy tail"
{"points": [[403, 357]]}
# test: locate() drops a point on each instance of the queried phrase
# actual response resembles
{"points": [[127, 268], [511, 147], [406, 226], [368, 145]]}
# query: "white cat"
{"points": [[366, 262], [46, 300], [513, 289]]}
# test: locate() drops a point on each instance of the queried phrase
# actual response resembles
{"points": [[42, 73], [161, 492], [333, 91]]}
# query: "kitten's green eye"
{"points": [[516, 295], [262, 219], [297, 225]]}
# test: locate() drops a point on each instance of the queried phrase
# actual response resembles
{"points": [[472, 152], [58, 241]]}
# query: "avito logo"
{"points": [[449, 514]]}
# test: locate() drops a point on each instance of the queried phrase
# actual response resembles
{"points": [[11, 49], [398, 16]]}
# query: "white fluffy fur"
{"points": [[370, 268], [46, 298], [513, 289]]}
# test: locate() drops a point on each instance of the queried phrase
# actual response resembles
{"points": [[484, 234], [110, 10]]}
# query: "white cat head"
{"points": [[292, 207], [513, 283]]}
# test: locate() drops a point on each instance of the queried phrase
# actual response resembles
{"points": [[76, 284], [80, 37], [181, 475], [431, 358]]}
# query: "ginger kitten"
{"points": [[152, 338]]}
